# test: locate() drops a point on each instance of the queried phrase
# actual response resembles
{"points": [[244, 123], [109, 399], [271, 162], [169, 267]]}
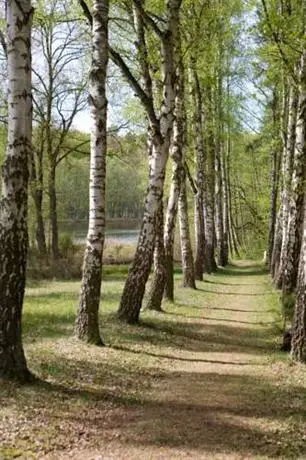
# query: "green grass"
{"points": [[205, 377]]}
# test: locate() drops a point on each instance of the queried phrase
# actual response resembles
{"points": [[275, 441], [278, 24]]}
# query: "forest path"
{"points": [[222, 389], [203, 380]]}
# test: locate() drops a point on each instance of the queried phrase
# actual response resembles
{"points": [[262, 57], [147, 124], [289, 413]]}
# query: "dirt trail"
{"points": [[224, 391]]}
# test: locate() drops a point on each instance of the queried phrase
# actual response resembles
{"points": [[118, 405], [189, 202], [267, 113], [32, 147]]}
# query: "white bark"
{"points": [[14, 200], [160, 132], [177, 154], [87, 324], [186, 249], [287, 176], [299, 322], [200, 162], [295, 215]]}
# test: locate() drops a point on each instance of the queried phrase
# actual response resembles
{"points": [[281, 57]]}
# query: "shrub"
{"points": [[66, 245]]}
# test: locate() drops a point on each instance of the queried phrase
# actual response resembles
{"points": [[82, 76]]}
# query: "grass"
{"points": [[205, 379], [69, 265]]}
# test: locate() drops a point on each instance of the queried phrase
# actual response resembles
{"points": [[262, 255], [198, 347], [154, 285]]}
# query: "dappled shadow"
{"points": [[210, 318], [249, 270], [190, 335], [205, 307], [231, 284], [235, 310], [153, 388], [247, 294], [195, 336], [179, 358], [209, 411]]}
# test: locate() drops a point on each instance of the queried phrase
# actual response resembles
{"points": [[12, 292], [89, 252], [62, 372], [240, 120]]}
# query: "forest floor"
{"points": [[205, 379]]}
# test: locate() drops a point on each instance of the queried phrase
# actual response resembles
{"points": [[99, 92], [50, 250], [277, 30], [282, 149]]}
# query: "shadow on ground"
{"points": [[161, 383], [224, 412]]}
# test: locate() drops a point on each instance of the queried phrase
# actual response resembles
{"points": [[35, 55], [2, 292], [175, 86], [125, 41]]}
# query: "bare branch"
{"points": [[119, 62], [146, 101], [86, 11], [74, 149], [149, 20]]}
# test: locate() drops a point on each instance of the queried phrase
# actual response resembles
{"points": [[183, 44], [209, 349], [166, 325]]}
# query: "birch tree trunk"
{"points": [[200, 177], [158, 282], [87, 322], [273, 204], [299, 322], [298, 342], [234, 244], [53, 211], [209, 199], [225, 201], [219, 209], [287, 178], [177, 155], [218, 166], [163, 256], [277, 247], [133, 292], [14, 200], [169, 230], [295, 218], [36, 179], [186, 249], [274, 181]]}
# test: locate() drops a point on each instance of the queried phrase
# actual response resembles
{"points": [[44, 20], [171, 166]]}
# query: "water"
{"points": [[122, 236], [78, 233]]}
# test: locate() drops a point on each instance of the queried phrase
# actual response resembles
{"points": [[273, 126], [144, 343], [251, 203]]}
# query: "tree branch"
{"points": [[148, 20], [86, 11], [191, 181], [146, 101], [277, 41], [3, 43], [119, 62]]}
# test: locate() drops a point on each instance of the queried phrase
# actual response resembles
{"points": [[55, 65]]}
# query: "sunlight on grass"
{"points": [[210, 360]]}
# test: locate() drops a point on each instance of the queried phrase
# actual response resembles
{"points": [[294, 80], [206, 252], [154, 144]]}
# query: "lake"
{"points": [[78, 233]]}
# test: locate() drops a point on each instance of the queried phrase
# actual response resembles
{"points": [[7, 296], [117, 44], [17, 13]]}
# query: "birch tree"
{"points": [[87, 322], [295, 216], [163, 275], [200, 164], [209, 201], [158, 282], [186, 249], [288, 160], [58, 95], [13, 204], [177, 154], [299, 322], [160, 129], [274, 177]]}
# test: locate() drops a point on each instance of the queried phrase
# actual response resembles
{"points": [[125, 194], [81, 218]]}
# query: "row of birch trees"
{"points": [[180, 60], [181, 90], [283, 56]]}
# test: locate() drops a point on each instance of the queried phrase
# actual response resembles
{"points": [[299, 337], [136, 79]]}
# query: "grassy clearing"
{"points": [[69, 265], [203, 380]]}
